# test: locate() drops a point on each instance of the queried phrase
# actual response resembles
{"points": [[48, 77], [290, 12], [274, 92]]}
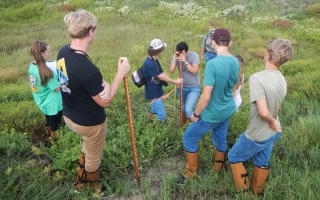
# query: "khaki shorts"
{"points": [[93, 142]]}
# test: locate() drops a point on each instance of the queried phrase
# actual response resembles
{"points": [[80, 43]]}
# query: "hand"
{"points": [[123, 66], [194, 119], [176, 55], [274, 126], [202, 58], [182, 57], [179, 81], [106, 90]]}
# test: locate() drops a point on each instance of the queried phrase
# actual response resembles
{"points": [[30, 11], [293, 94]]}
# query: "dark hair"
{"points": [[240, 59], [153, 52], [240, 75], [182, 46], [222, 43], [45, 73]]}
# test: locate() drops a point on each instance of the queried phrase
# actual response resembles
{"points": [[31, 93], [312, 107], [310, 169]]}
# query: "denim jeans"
{"points": [[259, 151], [189, 99], [208, 56], [158, 109], [196, 130]]}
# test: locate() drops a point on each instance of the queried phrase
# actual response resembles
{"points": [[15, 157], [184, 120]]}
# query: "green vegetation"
{"points": [[31, 171]]}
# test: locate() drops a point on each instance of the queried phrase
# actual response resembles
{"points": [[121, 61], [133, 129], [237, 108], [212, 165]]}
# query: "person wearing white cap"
{"points": [[156, 78]]}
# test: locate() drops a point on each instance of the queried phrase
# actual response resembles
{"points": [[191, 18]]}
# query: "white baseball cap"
{"points": [[157, 44]]}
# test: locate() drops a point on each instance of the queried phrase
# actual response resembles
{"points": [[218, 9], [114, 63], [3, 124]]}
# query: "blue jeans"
{"points": [[189, 99], [196, 130], [259, 151], [208, 56], [158, 109]]}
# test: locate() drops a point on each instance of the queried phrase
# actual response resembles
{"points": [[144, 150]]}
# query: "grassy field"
{"points": [[29, 170]]}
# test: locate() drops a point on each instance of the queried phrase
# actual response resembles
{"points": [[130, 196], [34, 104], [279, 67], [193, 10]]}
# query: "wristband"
{"points": [[194, 114]]}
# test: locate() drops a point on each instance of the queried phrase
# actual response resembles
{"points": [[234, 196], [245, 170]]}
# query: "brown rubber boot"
{"points": [[92, 179], [240, 176], [151, 115], [53, 135], [47, 131], [191, 168], [260, 176], [219, 160], [192, 165], [80, 181], [184, 118]]}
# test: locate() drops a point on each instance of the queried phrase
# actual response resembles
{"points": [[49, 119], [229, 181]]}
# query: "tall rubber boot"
{"points": [[184, 118], [151, 115], [219, 160], [260, 176], [191, 168], [47, 131], [92, 180], [53, 135], [80, 181], [46, 137], [240, 176], [192, 165]]}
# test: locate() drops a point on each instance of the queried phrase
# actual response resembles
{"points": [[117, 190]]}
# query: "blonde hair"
{"points": [[79, 23], [280, 50]]}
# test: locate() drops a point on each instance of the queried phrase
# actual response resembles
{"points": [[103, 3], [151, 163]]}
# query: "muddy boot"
{"points": [[219, 160], [53, 135], [151, 115], [191, 168], [92, 180], [46, 137], [260, 176], [184, 118], [240, 177], [80, 181]]}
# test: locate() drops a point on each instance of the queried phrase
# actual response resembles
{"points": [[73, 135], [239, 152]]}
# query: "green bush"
{"points": [[28, 11], [14, 92], [23, 116], [13, 143], [310, 86], [82, 4], [294, 67], [314, 10]]}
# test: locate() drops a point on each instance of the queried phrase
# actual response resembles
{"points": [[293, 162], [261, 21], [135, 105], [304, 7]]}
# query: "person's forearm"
{"points": [[172, 67], [165, 77], [114, 88], [201, 105]]}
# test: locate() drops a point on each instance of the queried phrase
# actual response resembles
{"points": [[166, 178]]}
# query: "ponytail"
{"points": [[45, 73]]}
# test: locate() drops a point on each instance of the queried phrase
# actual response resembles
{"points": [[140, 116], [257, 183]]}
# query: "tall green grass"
{"points": [[31, 171]]}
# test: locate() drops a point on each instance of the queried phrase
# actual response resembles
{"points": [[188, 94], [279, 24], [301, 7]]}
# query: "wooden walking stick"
{"points": [[180, 76], [133, 142]]}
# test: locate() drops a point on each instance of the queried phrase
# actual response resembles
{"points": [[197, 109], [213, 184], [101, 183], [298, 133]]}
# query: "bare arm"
{"points": [[203, 102], [163, 76], [266, 115], [202, 53], [123, 69], [57, 89], [172, 67]]}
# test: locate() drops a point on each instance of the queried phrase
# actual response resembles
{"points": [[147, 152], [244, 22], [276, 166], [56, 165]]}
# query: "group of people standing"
{"points": [[79, 88]]}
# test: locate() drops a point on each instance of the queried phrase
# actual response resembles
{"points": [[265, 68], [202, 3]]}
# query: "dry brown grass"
{"points": [[67, 8], [9, 75], [283, 23]]}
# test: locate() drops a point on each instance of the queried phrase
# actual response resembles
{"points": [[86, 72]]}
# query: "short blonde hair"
{"points": [[280, 50], [79, 23]]}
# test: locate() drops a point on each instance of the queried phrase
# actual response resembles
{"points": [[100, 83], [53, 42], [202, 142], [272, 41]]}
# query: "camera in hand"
{"points": [[164, 83]]}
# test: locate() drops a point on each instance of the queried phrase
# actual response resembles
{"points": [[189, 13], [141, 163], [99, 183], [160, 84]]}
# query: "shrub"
{"points": [[282, 23], [314, 10], [81, 4], [28, 11], [13, 143], [310, 86], [295, 67], [23, 116], [14, 92]]}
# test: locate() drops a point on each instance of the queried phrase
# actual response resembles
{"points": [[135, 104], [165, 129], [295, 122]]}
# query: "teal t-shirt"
{"points": [[221, 73], [49, 101]]}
